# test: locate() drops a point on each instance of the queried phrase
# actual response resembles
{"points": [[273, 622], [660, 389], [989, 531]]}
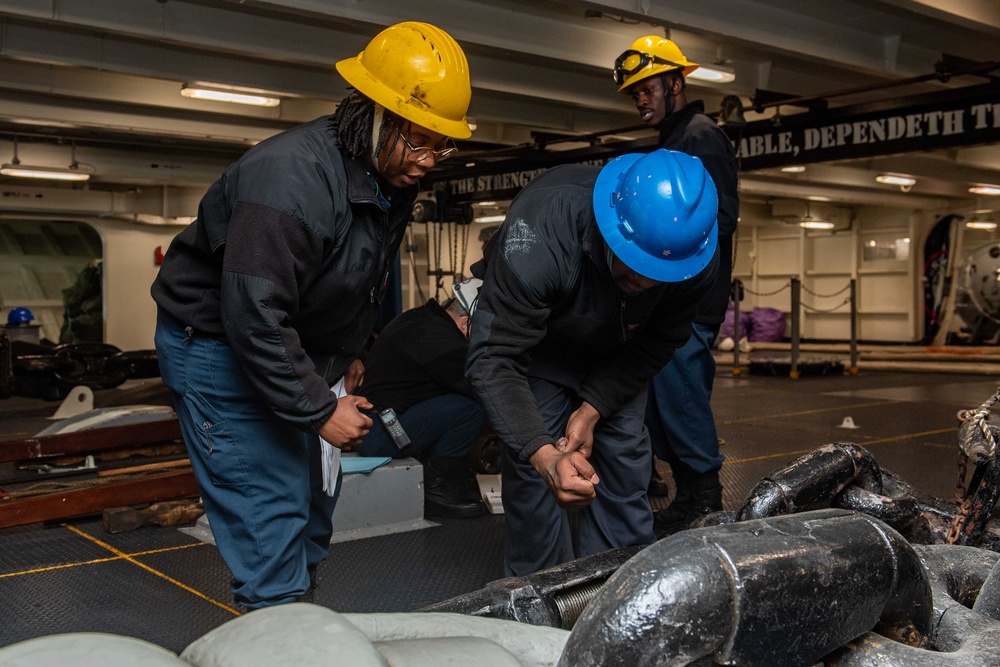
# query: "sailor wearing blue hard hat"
{"points": [[588, 286]]}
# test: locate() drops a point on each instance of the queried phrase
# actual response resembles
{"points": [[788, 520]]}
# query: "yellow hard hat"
{"points": [[418, 72], [647, 56]]}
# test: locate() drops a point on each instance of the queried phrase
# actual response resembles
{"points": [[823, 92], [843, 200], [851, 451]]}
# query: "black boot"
{"points": [[446, 489], [658, 485], [310, 594], [698, 494]]}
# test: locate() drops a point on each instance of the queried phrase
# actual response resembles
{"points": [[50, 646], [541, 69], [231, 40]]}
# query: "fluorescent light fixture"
{"points": [[983, 225], [818, 198], [19, 170], [793, 169], [714, 74], [71, 173], [816, 224], [486, 219], [222, 93], [985, 189], [896, 179]]}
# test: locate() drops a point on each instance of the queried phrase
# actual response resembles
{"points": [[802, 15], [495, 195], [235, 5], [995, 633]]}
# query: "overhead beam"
{"points": [[198, 42], [794, 33], [755, 186], [978, 15]]}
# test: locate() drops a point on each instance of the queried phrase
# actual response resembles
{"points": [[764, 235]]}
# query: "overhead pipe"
{"points": [[944, 70]]}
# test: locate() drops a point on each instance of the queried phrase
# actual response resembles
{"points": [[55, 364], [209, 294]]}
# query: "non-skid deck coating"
{"points": [[165, 587]]}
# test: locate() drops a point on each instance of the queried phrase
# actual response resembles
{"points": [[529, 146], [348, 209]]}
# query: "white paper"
{"points": [[331, 454]]}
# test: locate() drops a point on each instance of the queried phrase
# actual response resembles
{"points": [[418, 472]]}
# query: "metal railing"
{"points": [[795, 287]]}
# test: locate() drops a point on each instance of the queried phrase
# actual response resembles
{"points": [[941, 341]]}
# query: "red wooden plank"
{"points": [[93, 440], [96, 499]]}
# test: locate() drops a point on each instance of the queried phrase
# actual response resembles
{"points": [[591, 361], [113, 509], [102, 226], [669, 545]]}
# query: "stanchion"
{"points": [[853, 370], [796, 316], [736, 294]]}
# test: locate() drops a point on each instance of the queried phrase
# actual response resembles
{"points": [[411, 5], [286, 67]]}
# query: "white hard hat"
{"points": [[467, 294]]}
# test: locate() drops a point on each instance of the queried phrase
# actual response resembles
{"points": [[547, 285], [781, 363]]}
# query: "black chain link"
{"points": [[813, 309], [777, 291], [826, 296]]}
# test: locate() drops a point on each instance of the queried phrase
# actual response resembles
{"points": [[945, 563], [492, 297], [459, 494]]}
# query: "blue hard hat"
{"points": [[658, 213], [19, 315]]}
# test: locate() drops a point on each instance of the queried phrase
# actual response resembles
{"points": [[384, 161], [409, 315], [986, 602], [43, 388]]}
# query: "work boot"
{"points": [[698, 495], [658, 485], [446, 489], [310, 594]]}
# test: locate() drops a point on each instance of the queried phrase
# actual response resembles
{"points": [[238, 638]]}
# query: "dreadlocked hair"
{"points": [[352, 124]]}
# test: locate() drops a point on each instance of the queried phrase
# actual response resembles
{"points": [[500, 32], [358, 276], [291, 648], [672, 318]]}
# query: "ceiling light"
{"points": [[222, 93], [714, 74], [984, 225], [896, 179], [816, 224], [985, 189], [818, 198], [18, 170], [486, 219], [793, 169], [71, 173]]}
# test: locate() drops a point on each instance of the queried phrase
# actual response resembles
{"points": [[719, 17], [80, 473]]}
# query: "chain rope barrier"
{"points": [[813, 309], [777, 291], [797, 306], [827, 296]]}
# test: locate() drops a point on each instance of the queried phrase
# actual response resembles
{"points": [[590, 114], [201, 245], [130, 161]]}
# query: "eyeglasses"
{"points": [[645, 59], [424, 153]]}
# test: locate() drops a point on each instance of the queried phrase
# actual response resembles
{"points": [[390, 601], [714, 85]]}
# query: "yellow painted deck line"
{"points": [[131, 558], [97, 561], [808, 412], [151, 570], [866, 444]]}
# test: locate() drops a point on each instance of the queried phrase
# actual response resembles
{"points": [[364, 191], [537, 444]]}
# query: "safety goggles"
{"points": [[424, 153], [645, 60]]}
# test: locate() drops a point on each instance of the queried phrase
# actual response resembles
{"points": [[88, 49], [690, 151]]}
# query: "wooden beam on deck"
{"points": [[90, 441], [94, 500]]}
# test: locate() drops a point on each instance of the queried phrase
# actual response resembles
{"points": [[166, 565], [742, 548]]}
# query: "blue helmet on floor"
{"points": [[19, 315], [657, 212]]}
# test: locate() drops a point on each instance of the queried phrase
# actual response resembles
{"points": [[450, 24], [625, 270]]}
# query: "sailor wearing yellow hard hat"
{"points": [[266, 300]]}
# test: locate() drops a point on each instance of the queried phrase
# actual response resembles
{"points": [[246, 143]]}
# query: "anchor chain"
{"points": [[974, 494]]}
